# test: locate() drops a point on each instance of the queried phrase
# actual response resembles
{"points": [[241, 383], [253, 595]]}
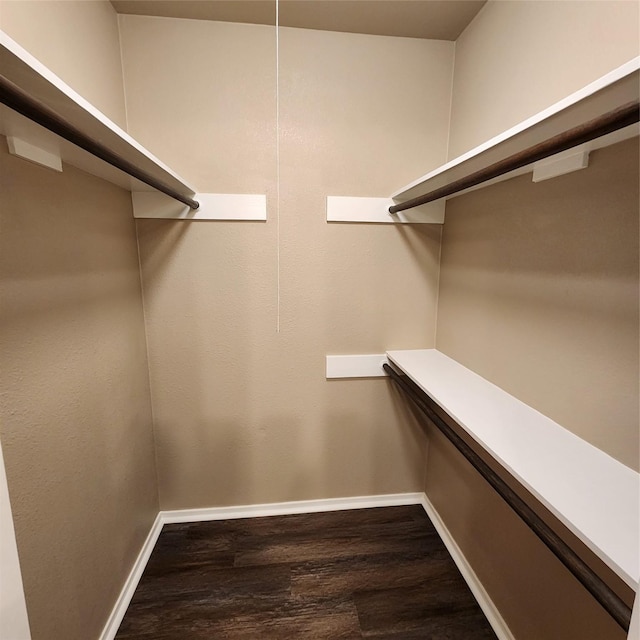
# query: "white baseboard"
{"points": [[284, 508], [490, 611], [122, 603], [303, 506]]}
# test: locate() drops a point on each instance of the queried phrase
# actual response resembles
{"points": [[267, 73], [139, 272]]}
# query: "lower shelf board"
{"points": [[594, 495], [378, 572]]}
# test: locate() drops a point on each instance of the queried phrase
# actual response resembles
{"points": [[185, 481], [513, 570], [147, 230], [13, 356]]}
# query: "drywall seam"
{"points": [[453, 74], [124, 84], [277, 166], [146, 346], [437, 300]]}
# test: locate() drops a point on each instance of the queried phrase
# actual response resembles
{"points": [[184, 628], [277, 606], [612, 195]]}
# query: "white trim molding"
{"points": [[129, 588], [489, 609], [634, 627], [14, 620], [286, 508]]}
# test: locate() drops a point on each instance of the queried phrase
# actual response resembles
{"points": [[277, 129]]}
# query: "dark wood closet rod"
{"points": [[15, 98], [611, 602], [618, 118]]}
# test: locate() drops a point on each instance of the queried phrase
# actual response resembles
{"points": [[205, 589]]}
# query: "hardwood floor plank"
{"points": [[336, 535], [316, 618], [347, 575], [183, 545], [441, 605], [353, 574], [220, 584]]}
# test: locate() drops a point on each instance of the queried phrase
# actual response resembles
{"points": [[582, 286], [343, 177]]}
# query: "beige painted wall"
{"points": [[75, 420], [541, 297], [539, 291], [535, 595], [243, 413], [78, 40], [75, 415], [539, 294], [517, 58]]}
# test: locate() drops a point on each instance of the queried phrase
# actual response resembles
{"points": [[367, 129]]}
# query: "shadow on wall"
{"points": [[373, 449], [243, 414], [207, 294], [339, 452], [421, 240], [380, 287], [539, 294], [164, 237], [75, 413]]}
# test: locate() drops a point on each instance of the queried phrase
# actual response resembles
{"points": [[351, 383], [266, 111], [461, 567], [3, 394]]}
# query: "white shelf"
{"points": [[213, 206], [612, 90], [355, 366], [21, 68], [594, 495], [376, 210]]}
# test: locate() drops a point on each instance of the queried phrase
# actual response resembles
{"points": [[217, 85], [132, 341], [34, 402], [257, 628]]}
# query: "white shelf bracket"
{"points": [[376, 210], [560, 164], [34, 153], [213, 206], [356, 366]]}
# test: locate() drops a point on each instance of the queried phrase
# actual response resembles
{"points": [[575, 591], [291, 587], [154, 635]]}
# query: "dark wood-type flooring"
{"points": [[366, 573]]}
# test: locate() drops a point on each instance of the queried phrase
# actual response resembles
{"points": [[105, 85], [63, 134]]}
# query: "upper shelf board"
{"points": [[30, 75], [594, 495], [612, 90]]}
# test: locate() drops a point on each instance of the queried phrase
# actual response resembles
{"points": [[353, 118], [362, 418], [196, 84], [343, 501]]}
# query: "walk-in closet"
{"points": [[319, 319]]}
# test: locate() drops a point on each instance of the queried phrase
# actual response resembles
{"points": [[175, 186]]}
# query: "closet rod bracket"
{"points": [[20, 101]]}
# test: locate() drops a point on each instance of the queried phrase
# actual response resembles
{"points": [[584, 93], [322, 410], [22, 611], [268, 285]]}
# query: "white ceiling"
{"points": [[432, 19]]}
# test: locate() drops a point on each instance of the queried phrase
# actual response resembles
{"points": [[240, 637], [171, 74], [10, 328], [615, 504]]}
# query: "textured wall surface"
{"points": [[539, 291], [75, 415], [76, 419], [517, 58], [14, 622], [78, 40], [243, 413], [539, 294], [535, 595]]}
